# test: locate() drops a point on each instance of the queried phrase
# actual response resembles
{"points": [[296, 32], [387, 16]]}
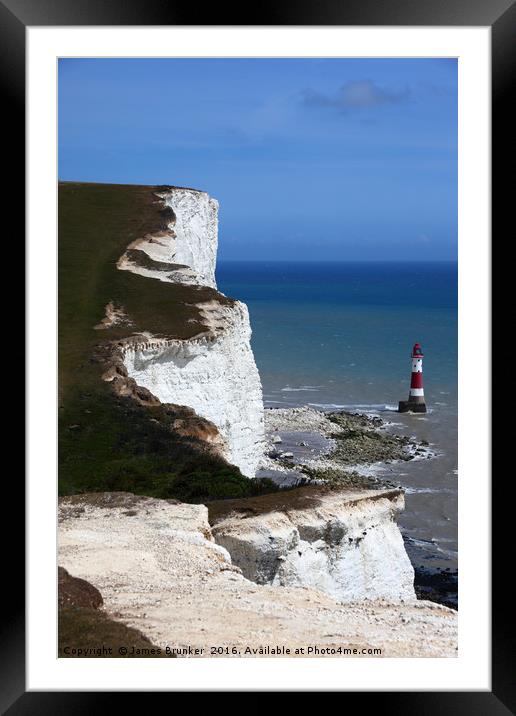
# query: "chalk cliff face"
{"points": [[214, 372], [346, 544], [196, 232], [215, 375], [185, 252]]}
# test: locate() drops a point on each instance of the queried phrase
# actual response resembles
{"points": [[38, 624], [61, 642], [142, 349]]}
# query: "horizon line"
{"points": [[350, 261]]}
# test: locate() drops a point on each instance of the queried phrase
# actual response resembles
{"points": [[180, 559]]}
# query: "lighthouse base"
{"points": [[409, 406]]}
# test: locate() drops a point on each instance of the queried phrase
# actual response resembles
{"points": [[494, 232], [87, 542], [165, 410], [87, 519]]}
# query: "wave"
{"points": [[427, 490], [372, 407], [431, 544], [302, 388]]}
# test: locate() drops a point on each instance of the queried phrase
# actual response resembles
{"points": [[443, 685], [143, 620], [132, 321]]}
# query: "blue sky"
{"points": [[311, 159]]}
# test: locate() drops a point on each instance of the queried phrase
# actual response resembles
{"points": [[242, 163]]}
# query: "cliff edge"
{"points": [[345, 543], [161, 571]]}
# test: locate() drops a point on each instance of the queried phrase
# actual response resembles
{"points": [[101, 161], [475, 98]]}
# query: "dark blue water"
{"points": [[348, 327], [340, 335]]}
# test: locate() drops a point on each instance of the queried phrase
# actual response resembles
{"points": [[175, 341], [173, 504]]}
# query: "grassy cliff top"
{"points": [[107, 442], [292, 500]]}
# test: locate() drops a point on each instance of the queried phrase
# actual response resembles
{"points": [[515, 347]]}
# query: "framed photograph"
{"points": [[259, 353]]}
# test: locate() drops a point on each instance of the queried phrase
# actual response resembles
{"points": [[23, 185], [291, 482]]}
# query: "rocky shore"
{"points": [[338, 448], [437, 585]]}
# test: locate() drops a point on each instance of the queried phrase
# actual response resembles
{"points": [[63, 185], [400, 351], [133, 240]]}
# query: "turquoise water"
{"points": [[340, 335]]}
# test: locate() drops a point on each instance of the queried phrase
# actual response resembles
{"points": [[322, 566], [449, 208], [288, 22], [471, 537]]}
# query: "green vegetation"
{"points": [[108, 442], [112, 443]]}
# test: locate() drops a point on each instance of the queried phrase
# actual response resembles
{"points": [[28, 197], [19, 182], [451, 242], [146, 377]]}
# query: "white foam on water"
{"points": [[301, 389], [421, 490], [432, 544], [325, 406], [375, 469], [374, 408]]}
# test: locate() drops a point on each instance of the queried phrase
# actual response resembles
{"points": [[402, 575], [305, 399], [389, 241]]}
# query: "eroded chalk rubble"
{"points": [[159, 569]]}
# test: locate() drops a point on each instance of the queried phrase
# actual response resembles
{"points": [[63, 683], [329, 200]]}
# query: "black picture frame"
{"points": [[500, 15]]}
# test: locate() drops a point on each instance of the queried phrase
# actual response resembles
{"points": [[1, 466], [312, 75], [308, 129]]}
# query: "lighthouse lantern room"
{"points": [[416, 401]]}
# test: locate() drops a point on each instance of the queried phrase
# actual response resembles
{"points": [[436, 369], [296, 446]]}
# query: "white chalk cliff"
{"points": [[346, 544], [196, 232], [214, 373], [184, 252]]}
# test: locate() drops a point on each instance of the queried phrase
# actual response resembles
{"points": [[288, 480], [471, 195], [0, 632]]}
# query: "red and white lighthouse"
{"points": [[416, 401]]}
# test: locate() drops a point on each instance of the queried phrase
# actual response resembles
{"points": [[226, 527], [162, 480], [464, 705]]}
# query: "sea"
{"points": [[338, 336]]}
